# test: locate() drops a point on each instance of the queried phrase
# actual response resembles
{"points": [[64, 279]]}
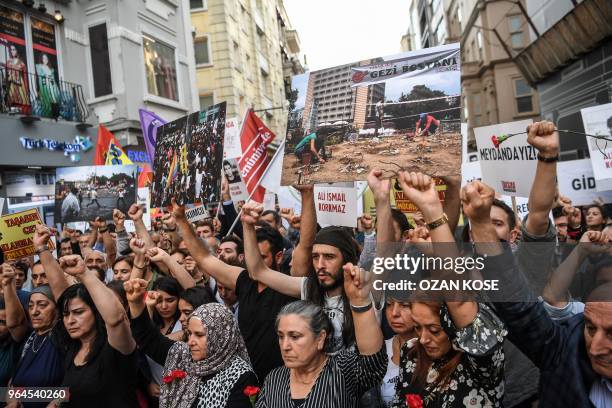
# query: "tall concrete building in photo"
{"points": [[66, 66], [246, 52]]}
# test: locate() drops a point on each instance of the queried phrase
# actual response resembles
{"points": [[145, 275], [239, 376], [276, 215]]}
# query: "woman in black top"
{"points": [[101, 361], [211, 370]]}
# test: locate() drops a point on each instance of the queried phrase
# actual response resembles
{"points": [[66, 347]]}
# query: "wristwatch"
{"points": [[436, 223], [41, 249]]}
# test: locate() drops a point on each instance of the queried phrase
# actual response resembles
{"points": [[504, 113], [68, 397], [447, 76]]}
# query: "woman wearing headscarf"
{"points": [[212, 369]]}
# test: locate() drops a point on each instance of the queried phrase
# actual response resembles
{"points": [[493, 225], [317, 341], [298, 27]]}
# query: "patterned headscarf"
{"points": [[224, 343]]}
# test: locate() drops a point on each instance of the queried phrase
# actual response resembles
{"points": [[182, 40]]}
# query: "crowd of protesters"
{"points": [[281, 312]]}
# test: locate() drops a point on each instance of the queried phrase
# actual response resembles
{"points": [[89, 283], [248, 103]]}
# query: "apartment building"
{"points": [[245, 54]]}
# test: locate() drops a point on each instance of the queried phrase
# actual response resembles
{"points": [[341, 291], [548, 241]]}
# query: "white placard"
{"points": [[336, 205], [231, 142], [144, 201], [509, 168], [269, 201], [577, 182], [464, 143], [197, 213], [598, 121], [237, 188]]}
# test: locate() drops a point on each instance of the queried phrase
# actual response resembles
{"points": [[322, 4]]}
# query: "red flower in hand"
{"points": [[178, 374], [495, 141], [414, 400], [251, 391], [168, 379]]}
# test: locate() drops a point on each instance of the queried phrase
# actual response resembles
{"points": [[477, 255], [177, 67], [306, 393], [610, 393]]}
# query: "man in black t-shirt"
{"points": [[259, 304]]}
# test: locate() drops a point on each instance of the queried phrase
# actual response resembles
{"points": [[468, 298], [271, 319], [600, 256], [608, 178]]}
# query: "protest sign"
{"points": [[577, 182], [402, 109], [289, 197], [464, 143], [509, 167], [269, 201], [237, 188], [16, 233], [188, 155], [231, 141], [598, 121], [336, 205], [84, 193], [197, 213], [144, 203]]}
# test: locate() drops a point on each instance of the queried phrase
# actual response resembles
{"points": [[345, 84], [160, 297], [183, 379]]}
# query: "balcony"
{"points": [[293, 41], [263, 63], [26, 93]]}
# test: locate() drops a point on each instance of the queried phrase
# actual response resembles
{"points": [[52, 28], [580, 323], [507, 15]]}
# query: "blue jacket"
{"points": [[558, 349]]}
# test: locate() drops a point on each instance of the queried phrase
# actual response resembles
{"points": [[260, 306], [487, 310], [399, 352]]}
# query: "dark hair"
{"points": [[128, 259], [601, 210], [64, 240], [557, 212], [117, 287], [235, 240], [316, 317], [197, 296], [506, 208], [275, 215], [401, 219], [71, 346], [207, 222], [267, 233], [171, 287], [22, 266]]}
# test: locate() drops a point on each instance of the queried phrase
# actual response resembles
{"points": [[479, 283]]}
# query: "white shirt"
{"points": [[387, 388]]}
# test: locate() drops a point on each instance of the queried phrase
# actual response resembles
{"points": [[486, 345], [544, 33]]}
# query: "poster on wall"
{"points": [[507, 167], [13, 57], [188, 159], [47, 74], [386, 112], [598, 121], [160, 67]]}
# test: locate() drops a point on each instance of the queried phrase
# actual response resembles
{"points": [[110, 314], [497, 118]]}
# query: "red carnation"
{"points": [[495, 141], [168, 379], [178, 374], [415, 400], [251, 391]]}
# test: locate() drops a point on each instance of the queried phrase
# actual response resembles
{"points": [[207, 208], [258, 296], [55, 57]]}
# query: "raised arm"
{"points": [[544, 137], [288, 285], [208, 263], [556, 290], [384, 222], [357, 286], [176, 270], [55, 275], [123, 239], [452, 200], [108, 305], [16, 320], [137, 246], [302, 254], [135, 213], [169, 223]]}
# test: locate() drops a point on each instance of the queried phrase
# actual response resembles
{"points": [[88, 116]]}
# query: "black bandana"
{"points": [[340, 238]]}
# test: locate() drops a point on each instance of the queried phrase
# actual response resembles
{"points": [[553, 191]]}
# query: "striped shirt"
{"points": [[344, 379]]}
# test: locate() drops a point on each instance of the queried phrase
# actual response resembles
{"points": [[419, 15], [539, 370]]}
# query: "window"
{"points": [[197, 4], [523, 94], [202, 52], [206, 101], [516, 31], [479, 44], [160, 67], [237, 57], [477, 110], [100, 62]]}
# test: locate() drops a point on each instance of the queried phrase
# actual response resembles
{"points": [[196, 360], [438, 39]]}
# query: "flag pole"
{"points": [[256, 186]]}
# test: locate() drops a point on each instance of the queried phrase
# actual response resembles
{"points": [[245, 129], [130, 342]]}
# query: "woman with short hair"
{"points": [[313, 378]]}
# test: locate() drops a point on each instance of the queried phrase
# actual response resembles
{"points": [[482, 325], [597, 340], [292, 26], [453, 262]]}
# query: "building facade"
{"points": [[71, 66], [579, 35], [492, 33], [245, 52]]}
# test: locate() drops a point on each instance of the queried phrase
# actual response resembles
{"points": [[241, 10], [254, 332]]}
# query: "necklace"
{"points": [[34, 348]]}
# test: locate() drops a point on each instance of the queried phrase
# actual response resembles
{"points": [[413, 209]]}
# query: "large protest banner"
{"points": [[84, 193], [577, 182], [508, 167], [386, 112], [598, 121], [16, 233], [188, 158]]}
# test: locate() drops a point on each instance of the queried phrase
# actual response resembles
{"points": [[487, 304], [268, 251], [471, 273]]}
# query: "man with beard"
{"points": [[333, 247], [259, 304]]}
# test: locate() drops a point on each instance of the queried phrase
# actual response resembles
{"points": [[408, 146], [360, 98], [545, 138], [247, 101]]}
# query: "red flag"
{"points": [[254, 140], [104, 139], [145, 178]]}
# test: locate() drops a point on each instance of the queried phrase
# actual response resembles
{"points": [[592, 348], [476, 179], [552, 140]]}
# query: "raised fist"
{"points": [[544, 137], [380, 187], [365, 223], [177, 210], [135, 290], [118, 218], [251, 212], [137, 246], [42, 235], [477, 199], [421, 190], [73, 265], [357, 284], [156, 254], [135, 212], [8, 274]]}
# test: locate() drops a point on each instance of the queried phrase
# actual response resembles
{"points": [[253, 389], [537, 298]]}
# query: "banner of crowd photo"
{"points": [[508, 167], [399, 110], [598, 121], [84, 193], [188, 158], [16, 233]]}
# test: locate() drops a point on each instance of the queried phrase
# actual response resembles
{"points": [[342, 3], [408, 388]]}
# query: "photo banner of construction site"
{"points": [[400, 112]]}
